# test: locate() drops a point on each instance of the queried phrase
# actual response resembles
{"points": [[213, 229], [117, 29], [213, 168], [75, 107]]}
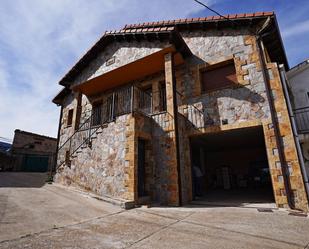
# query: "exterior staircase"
{"points": [[123, 101]]}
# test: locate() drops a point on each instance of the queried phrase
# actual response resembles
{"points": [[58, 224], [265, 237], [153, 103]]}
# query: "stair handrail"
{"points": [[79, 129], [87, 124]]}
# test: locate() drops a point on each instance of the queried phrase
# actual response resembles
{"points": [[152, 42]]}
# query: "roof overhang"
{"points": [[136, 70], [271, 37], [168, 30], [58, 99], [169, 34]]}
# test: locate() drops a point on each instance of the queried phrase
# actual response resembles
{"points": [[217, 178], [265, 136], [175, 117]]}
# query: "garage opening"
{"points": [[230, 168]]}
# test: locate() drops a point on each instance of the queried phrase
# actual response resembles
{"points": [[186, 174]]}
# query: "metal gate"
{"points": [[34, 163]]}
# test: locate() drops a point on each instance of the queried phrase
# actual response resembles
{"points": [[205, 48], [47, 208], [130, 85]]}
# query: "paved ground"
{"points": [[38, 215]]}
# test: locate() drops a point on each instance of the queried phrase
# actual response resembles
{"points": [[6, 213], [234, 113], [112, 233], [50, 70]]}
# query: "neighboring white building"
{"points": [[299, 84], [298, 78]]}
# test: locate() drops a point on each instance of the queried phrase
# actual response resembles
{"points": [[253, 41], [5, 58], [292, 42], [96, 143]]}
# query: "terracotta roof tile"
{"points": [[250, 15], [201, 19], [259, 14]]}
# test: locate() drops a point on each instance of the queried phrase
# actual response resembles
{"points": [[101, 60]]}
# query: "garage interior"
{"points": [[230, 168]]}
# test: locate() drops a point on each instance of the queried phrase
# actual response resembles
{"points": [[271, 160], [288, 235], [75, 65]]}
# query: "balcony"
{"points": [[302, 119], [120, 102]]}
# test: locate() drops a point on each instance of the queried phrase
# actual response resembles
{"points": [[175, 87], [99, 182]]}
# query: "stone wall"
{"points": [[121, 53], [243, 102], [31, 143], [101, 168], [110, 166], [289, 164], [27, 143]]}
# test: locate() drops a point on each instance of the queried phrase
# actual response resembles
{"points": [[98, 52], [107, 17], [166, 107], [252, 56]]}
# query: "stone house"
{"points": [[33, 152], [166, 111], [298, 83]]}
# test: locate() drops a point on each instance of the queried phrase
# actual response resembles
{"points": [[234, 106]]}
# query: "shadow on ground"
{"points": [[22, 179]]}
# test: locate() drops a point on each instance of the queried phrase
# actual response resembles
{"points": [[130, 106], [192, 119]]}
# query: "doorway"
{"points": [[231, 167], [141, 168]]}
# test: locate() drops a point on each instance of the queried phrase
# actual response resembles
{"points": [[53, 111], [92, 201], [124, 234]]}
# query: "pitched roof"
{"points": [[199, 20], [298, 68], [33, 135], [161, 33], [155, 29]]}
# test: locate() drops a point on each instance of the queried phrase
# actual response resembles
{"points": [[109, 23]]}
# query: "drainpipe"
{"points": [[294, 129], [273, 117]]}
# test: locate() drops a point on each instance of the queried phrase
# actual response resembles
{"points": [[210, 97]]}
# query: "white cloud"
{"points": [[41, 39], [299, 28], [3, 76]]}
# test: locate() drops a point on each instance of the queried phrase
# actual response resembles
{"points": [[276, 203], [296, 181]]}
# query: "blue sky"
{"points": [[40, 40]]}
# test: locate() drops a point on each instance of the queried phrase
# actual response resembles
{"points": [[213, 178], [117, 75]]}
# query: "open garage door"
{"points": [[231, 168]]}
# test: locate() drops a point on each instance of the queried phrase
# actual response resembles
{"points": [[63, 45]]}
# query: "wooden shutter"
{"points": [[218, 77], [70, 117]]}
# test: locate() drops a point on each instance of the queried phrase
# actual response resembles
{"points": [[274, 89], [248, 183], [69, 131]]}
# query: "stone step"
{"points": [[125, 204], [122, 203]]}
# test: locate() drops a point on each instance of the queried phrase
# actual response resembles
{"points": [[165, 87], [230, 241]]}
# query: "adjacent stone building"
{"points": [[166, 111], [33, 152]]}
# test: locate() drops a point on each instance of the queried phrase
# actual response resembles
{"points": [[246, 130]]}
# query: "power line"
{"points": [[212, 10]]}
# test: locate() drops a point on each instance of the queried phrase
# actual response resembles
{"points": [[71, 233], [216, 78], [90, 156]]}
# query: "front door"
{"points": [[141, 168]]}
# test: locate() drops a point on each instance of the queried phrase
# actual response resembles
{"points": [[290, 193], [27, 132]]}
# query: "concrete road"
{"points": [[38, 215]]}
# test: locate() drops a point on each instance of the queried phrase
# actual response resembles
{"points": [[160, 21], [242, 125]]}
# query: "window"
{"points": [[96, 113], [162, 92], [67, 158], [219, 76], [70, 117], [78, 112]]}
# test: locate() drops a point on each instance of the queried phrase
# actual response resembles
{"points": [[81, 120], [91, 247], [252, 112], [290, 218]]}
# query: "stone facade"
{"points": [[27, 144], [102, 167], [109, 166]]}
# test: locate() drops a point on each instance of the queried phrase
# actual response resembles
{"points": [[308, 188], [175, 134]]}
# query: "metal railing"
{"points": [[142, 101], [302, 119], [199, 118], [79, 138], [120, 102]]}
